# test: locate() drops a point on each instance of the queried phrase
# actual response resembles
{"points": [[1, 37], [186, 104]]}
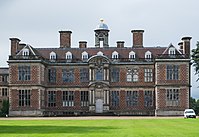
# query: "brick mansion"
{"points": [[97, 80]]}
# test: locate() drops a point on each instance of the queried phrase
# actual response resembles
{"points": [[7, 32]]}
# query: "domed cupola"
{"points": [[101, 35], [102, 25]]}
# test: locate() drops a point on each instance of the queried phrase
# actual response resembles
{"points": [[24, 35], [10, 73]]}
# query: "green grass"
{"points": [[100, 128]]}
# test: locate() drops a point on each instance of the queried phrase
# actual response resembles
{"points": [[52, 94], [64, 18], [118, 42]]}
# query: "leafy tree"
{"points": [[194, 104], [5, 108], [195, 58], [197, 107]]}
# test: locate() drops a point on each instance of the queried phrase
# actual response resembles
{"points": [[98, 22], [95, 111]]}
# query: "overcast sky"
{"points": [[37, 22]]}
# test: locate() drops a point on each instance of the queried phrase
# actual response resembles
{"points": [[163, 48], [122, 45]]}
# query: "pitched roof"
{"points": [[77, 52], [170, 46]]}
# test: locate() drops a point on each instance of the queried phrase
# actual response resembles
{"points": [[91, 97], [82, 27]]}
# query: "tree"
{"points": [[195, 58], [194, 104], [197, 107], [5, 108]]}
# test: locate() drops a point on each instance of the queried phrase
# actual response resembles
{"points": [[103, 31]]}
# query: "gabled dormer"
{"points": [[132, 56], [53, 56], [115, 55], [84, 55], [148, 56], [68, 55], [26, 51], [171, 51]]}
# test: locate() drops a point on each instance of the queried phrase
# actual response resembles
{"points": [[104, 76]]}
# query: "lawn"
{"points": [[100, 128]]}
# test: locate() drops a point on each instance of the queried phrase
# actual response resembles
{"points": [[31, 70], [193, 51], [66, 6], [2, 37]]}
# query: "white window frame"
{"points": [[172, 51], [132, 75], [173, 97], [84, 55], [69, 55], [25, 52], [53, 56], [148, 55], [148, 75], [115, 55], [132, 55]]}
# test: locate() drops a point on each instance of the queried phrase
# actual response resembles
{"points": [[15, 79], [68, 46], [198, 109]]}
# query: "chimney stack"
{"points": [[65, 39], [120, 44], [82, 44], [137, 38], [186, 45], [14, 45], [21, 46], [180, 44]]}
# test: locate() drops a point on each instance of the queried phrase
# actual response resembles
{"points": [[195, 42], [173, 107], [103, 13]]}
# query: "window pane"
{"points": [[24, 98], [115, 98], [148, 98], [132, 98], [68, 98], [52, 75], [172, 72], [68, 75], [99, 74], [115, 75], [24, 73]]}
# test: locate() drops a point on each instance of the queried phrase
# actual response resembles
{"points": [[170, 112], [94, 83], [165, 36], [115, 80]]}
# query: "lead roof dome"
{"points": [[102, 25]]}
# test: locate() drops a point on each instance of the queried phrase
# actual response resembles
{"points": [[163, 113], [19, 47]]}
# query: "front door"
{"points": [[99, 106]]}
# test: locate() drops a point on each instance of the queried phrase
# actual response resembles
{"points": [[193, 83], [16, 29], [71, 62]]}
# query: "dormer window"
{"points": [[25, 52], [84, 55], [115, 55], [68, 55], [148, 55], [132, 55], [52, 56], [100, 53], [172, 51]]}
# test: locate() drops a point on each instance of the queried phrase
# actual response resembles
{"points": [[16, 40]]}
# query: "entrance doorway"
{"points": [[99, 106]]}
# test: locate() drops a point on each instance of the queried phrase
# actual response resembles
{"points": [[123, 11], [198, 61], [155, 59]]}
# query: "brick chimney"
{"points": [[137, 38], [180, 44], [21, 46], [65, 39], [186, 45], [14, 45], [120, 44], [82, 44]]}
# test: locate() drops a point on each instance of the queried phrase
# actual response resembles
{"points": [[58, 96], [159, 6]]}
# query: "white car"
{"points": [[189, 113]]}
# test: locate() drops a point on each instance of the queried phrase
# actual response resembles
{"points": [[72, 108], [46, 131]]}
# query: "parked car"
{"points": [[189, 113]]}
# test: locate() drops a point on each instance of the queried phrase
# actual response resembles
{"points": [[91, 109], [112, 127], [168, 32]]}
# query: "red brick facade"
{"points": [[4, 90], [152, 77]]}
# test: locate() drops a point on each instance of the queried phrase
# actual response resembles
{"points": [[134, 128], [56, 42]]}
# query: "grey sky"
{"points": [[37, 22]]}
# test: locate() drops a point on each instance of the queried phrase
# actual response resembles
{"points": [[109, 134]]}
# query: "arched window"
{"points": [[52, 56], [68, 55], [25, 52], [172, 51], [115, 55], [84, 55], [132, 55], [148, 55], [132, 75]]}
